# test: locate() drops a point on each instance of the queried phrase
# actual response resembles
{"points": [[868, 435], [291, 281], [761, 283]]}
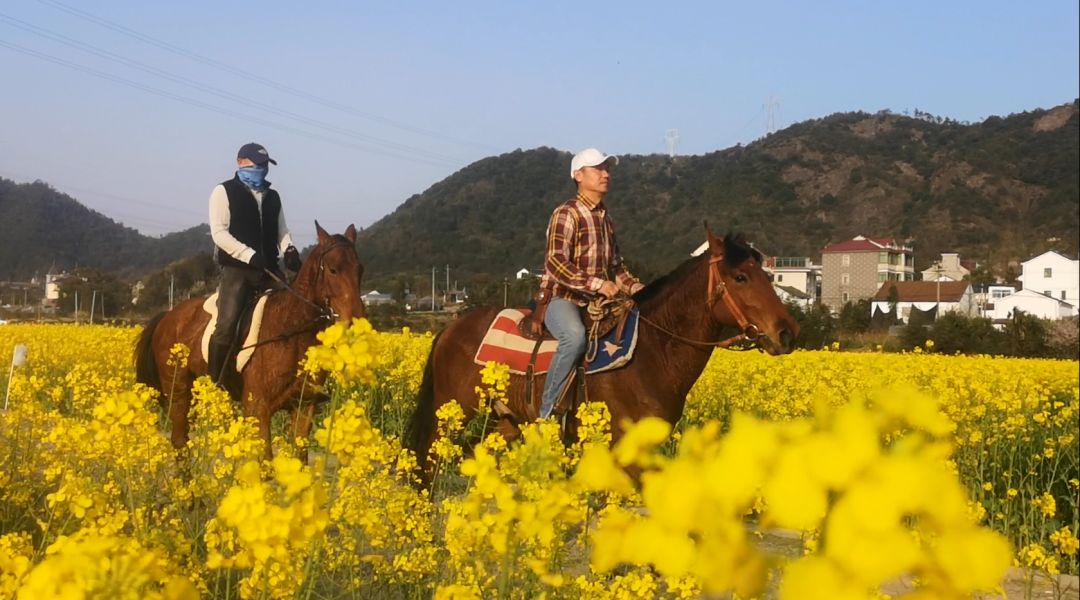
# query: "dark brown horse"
{"points": [[682, 317], [327, 288]]}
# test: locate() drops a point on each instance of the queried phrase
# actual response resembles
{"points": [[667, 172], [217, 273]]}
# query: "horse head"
{"points": [[331, 275], [740, 290]]}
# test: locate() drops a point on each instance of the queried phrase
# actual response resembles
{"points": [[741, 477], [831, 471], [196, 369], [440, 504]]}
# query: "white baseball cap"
{"points": [[590, 157]]}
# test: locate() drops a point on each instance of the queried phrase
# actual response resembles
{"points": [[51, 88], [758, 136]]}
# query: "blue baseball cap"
{"points": [[255, 153]]}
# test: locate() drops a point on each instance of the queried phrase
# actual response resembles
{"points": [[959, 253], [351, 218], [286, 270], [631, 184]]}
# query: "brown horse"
{"points": [[682, 315], [327, 288]]}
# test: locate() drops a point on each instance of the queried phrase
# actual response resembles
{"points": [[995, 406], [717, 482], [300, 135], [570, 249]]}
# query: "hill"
{"points": [[41, 228], [997, 191]]}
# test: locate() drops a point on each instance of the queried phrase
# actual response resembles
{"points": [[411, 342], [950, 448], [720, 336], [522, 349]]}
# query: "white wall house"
{"points": [[948, 296], [375, 298], [796, 272], [1032, 303], [791, 294], [1053, 275]]}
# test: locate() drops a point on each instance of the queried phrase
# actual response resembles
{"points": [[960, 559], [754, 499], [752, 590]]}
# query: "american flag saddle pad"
{"points": [[503, 344]]}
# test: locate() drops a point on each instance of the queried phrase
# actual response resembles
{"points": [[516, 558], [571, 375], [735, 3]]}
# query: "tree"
{"points": [[855, 316], [1025, 335], [817, 326], [101, 291]]}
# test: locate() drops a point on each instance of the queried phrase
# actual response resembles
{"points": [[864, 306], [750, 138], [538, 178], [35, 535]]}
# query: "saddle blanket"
{"points": [[248, 347], [503, 344]]}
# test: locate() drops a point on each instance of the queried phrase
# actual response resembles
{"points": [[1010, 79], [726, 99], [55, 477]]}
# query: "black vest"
{"points": [[246, 226]]}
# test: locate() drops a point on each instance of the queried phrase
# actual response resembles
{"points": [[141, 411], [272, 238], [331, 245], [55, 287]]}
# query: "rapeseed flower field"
{"points": [[947, 469]]}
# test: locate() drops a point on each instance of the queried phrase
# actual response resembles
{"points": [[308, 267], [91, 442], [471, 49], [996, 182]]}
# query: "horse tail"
{"points": [[146, 370], [422, 421]]}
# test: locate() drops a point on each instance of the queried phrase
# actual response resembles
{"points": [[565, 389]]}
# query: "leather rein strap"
{"points": [[717, 290]]}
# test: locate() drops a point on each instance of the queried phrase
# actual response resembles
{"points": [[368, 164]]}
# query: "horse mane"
{"points": [[736, 251], [657, 286]]}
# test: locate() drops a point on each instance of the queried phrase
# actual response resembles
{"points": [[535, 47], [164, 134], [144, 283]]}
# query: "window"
{"points": [[845, 260], [882, 258], [779, 278], [1062, 294], [1048, 272], [845, 279], [1049, 293], [844, 297], [882, 277]]}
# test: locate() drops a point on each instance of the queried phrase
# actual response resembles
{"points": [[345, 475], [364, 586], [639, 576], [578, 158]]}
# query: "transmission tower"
{"points": [[672, 138], [772, 103]]}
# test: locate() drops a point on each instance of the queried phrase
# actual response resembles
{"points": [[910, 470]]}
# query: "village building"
{"points": [[948, 268], [855, 269], [932, 298]]}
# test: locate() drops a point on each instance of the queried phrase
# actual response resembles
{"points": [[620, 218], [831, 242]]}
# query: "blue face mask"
{"points": [[253, 177]]}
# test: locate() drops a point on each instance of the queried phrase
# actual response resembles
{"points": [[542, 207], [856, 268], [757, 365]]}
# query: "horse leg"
{"points": [[254, 408], [303, 417], [179, 405], [506, 428]]}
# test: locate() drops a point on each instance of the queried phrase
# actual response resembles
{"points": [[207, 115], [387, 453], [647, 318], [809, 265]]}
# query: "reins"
{"points": [[325, 313], [718, 290]]}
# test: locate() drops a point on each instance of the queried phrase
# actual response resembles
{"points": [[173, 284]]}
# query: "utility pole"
{"points": [[937, 279], [172, 280], [506, 285], [432, 289], [76, 307], [446, 290], [93, 302]]}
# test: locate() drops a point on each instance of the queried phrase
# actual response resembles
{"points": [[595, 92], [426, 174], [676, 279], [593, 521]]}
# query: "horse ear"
{"points": [[716, 244], [350, 233], [323, 236]]}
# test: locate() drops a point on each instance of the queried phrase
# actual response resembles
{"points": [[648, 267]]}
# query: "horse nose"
{"points": [[787, 340]]}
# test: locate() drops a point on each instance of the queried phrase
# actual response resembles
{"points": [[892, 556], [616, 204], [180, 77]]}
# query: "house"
{"points": [[375, 298], [949, 268], [935, 297], [1054, 275], [1030, 302], [791, 294], [797, 272], [522, 273], [855, 269]]}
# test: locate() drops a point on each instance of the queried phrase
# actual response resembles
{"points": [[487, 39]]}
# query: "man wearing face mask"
{"points": [[248, 228]]}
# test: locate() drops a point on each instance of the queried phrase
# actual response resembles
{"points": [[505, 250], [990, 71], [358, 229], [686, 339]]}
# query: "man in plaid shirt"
{"points": [[581, 262]]}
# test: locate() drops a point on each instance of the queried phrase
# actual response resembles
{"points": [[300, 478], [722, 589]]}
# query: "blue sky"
{"points": [[136, 109]]}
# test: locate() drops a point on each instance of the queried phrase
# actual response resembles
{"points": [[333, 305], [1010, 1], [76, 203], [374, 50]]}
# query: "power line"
{"points": [[243, 100], [127, 31], [210, 107]]}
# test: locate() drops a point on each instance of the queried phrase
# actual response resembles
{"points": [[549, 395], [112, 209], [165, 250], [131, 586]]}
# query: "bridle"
{"points": [[326, 313], [717, 290]]}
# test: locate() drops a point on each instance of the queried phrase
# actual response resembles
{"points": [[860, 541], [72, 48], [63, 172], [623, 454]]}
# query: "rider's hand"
{"points": [[608, 289], [637, 287], [292, 259], [257, 262]]}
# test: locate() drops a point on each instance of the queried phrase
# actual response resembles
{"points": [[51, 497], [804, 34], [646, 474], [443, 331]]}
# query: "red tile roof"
{"points": [[922, 291]]}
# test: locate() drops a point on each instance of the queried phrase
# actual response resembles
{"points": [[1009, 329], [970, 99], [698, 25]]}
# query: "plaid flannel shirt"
{"points": [[582, 252]]}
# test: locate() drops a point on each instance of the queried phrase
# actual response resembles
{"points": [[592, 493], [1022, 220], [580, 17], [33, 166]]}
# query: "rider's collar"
{"points": [[593, 205]]}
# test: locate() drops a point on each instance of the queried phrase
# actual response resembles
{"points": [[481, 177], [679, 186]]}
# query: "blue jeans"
{"points": [[564, 322]]}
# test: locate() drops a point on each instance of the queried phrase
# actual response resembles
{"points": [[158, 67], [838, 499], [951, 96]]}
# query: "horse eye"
{"points": [[741, 278], [333, 271]]}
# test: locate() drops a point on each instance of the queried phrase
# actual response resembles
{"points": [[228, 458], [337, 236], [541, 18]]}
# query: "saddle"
{"points": [[600, 316]]}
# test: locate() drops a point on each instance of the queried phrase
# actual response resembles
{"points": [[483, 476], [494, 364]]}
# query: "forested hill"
{"points": [[996, 191], [41, 228]]}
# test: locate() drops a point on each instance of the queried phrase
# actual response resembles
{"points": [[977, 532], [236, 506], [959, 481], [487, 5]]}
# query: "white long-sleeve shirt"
{"points": [[219, 226]]}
